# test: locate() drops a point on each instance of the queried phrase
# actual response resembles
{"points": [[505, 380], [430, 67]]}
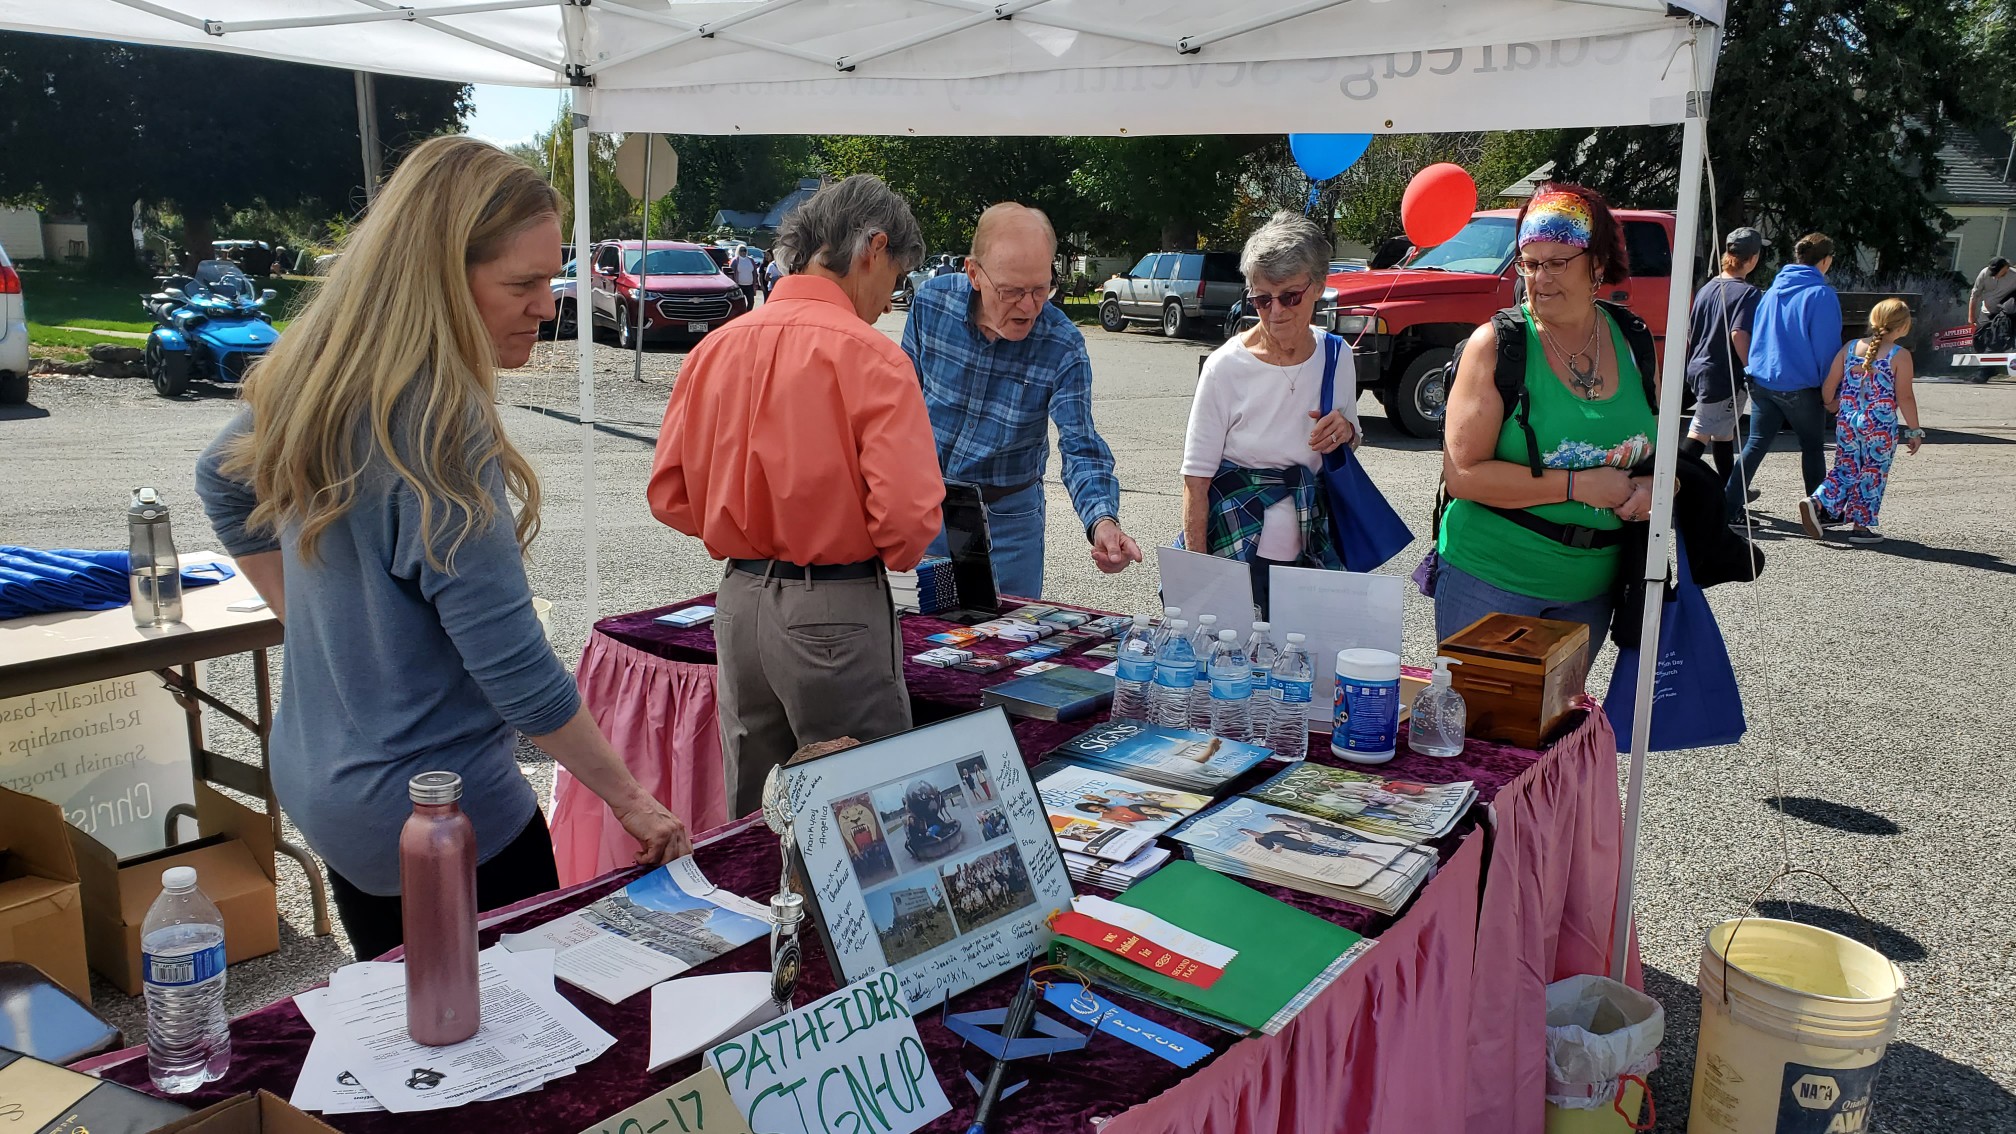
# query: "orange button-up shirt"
{"points": [[798, 433]]}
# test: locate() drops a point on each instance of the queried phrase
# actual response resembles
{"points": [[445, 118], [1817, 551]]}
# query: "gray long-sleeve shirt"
{"points": [[394, 668]]}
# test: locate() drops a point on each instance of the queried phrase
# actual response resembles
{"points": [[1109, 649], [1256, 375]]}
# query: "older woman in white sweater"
{"points": [[1257, 437]]}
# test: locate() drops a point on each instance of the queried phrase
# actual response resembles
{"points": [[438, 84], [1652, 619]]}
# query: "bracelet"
{"points": [[1914, 435], [1571, 487]]}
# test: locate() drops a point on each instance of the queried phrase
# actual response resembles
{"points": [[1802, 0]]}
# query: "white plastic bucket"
{"points": [[1794, 1020]]}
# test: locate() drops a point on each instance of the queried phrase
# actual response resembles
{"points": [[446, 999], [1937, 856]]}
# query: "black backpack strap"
{"points": [[1644, 352], [1510, 377]]}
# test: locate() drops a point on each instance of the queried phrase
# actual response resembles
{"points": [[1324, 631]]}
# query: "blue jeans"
{"points": [[1770, 411], [1015, 528], [1462, 598]]}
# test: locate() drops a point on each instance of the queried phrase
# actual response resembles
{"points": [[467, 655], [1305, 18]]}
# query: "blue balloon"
{"points": [[1323, 156]]}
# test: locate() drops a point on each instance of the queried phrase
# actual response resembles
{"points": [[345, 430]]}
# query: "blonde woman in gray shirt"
{"points": [[366, 493]]}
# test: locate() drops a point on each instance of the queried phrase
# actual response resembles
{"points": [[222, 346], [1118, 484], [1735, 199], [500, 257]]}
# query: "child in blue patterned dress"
{"points": [[1869, 389]]}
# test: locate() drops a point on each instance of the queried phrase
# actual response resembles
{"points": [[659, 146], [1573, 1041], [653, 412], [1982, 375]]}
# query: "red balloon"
{"points": [[1437, 204]]}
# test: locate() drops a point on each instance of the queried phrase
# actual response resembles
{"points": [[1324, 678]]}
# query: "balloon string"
{"points": [[1315, 193]]}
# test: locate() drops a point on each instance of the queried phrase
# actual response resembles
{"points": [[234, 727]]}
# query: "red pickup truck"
{"points": [[1402, 322]]}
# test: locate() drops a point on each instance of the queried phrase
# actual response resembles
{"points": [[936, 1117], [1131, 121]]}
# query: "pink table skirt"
{"points": [[661, 717]]}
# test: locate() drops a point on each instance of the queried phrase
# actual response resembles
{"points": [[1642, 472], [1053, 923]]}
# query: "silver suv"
{"points": [[1176, 290], [13, 336]]}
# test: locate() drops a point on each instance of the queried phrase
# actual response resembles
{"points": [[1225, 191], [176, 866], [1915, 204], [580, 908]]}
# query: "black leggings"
{"points": [[522, 870]]}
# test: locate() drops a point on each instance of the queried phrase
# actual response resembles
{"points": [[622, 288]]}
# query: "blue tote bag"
{"points": [[1365, 527], [1695, 702]]}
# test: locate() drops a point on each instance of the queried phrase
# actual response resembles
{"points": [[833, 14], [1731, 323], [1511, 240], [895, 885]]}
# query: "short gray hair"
{"points": [[1287, 246], [836, 224]]}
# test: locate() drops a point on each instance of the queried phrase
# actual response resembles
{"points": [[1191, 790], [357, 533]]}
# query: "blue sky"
{"points": [[507, 115]]}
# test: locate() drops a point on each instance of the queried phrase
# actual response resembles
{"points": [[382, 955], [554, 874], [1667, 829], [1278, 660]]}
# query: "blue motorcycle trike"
{"points": [[212, 325]]}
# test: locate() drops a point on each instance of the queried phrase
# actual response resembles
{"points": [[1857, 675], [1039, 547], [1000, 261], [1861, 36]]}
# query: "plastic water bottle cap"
{"points": [[1172, 612], [1178, 624], [179, 878], [1297, 639], [1262, 626], [1228, 635]]}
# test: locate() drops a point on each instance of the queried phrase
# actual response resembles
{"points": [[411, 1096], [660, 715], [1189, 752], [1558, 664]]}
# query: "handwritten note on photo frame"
{"points": [[849, 1063], [929, 854], [1207, 584], [1337, 610]]}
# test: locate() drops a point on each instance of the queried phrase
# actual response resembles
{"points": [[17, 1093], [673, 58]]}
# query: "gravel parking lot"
{"points": [[1869, 674]]}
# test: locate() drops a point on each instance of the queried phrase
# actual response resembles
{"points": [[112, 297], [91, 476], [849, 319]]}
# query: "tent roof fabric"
{"points": [[970, 67]]}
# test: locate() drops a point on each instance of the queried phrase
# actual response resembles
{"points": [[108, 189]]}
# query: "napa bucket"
{"points": [[1794, 1021]]}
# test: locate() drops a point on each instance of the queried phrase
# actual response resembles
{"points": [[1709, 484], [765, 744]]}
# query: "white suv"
{"points": [[13, 336]]}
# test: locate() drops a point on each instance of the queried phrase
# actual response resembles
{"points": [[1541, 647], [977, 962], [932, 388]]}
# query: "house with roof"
{"points": [[751, 222], [1975, 190]]}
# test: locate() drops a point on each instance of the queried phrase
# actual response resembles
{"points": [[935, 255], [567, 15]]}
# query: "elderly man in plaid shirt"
{"points": [[998, 363]]}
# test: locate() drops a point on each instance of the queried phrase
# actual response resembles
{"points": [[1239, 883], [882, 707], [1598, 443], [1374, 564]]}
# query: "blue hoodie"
{"points": [[1797, 330]]}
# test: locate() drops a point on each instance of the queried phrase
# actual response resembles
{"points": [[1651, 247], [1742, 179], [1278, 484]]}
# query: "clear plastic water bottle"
{"points": [[1261, 655], [1294, 686], [182, 965], [1134, 671], [1231, 688], [155, 571], [1175, 674], [1435, 725], [1202, 639]]}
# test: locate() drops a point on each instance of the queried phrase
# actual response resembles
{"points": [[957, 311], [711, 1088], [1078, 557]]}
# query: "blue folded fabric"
{"points": [[34, 581]]}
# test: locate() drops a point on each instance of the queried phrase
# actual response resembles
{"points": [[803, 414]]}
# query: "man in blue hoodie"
{"points": [[1795, 337]]}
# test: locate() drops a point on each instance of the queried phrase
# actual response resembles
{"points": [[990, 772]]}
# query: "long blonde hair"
{"points": [[1889, 316], [394, 337]]}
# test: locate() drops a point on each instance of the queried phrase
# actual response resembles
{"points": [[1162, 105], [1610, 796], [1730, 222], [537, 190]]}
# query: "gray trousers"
{"points": [[802, 661]]}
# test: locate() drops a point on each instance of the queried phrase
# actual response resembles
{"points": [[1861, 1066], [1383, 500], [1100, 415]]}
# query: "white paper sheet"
{"points": [[693, 1013], [1337, 610], [1208, 584], [323, 1084]]}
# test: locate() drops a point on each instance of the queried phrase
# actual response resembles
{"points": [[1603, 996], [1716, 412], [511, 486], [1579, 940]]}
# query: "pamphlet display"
{"points": [[928, 853]]}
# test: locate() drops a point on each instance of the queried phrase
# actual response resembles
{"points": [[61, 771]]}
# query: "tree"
{"points": [[1165, 192], [1827, 115], [949, 181], [102, 125]]}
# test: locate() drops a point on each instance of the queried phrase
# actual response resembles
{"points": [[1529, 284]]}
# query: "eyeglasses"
{"points": [[1552, 266], [1262, 301], [1009, 296]]}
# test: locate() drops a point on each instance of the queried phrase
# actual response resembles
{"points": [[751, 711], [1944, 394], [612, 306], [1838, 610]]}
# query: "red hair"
{"points": [[1606, 236]]}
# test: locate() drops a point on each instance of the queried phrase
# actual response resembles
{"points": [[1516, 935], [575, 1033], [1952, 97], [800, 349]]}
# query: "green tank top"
{"points": [[1574, 433]]}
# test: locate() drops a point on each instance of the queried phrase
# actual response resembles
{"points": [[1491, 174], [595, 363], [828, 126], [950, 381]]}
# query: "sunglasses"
{"points": [[1261, 301]]}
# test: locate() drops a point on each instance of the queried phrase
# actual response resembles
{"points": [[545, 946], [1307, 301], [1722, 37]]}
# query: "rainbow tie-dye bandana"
{"points": [[1557, 216]]}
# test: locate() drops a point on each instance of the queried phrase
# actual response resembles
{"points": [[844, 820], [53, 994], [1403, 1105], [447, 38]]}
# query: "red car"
{"points": [[681, 295]]}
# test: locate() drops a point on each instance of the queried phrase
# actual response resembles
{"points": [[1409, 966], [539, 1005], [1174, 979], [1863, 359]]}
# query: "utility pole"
{"points": [[367, 131]]}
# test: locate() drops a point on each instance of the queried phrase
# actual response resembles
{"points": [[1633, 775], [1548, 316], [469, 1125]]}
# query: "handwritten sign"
{"points": [[697, 1104], [850, 1063]]}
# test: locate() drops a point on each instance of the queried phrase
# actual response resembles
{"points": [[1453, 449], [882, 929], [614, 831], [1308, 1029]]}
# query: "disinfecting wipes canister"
{"points": [[1367, 706]]}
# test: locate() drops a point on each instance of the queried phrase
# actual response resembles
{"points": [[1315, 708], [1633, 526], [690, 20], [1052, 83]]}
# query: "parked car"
{"points": [[906, 288], [1403, 321], [1176, 290], [13, 335], [562, 325], [682, 294]]}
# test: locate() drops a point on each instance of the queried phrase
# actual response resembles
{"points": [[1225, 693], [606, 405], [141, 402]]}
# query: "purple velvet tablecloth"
{"points": [[1384, 1048]]}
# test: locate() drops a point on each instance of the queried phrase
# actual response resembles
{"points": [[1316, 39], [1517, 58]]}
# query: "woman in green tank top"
{"points": [[1547, 545]]}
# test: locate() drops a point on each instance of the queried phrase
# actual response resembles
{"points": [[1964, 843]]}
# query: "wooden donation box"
{"points": [[1520, 675]]}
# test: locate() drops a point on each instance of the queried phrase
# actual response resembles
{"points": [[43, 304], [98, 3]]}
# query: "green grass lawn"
{"points": [[66, 296]]}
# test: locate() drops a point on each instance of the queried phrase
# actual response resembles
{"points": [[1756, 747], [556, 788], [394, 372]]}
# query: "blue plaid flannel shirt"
{"points": [[991, 402]]}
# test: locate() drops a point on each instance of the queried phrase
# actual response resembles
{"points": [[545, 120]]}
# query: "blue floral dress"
{"points": [[1865, 430]]}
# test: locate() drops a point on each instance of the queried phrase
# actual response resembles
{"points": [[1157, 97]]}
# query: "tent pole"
{"points": [[643, 276], [367, 131], [1686, 234], [584, 342]]}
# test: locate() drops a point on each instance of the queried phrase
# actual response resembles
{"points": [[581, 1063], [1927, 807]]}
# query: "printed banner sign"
{"points": [[113, 754]]}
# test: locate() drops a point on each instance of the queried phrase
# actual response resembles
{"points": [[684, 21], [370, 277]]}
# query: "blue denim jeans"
{"points": [[1770, 411], [1462, 598], [1015, 528]]}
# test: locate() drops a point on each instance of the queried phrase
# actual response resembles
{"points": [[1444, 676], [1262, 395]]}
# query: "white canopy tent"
{"points": [[971, 67]]}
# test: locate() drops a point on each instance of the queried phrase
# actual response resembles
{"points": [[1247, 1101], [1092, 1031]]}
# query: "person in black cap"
{"points": [[1718, 347]]}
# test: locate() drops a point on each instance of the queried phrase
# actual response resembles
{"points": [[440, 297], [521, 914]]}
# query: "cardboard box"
{"points": [[42, 1098], [41, 906], [234, 866], [260, 1113]]}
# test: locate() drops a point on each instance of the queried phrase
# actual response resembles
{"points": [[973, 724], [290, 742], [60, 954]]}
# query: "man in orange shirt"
{"points": [[797, 447]]}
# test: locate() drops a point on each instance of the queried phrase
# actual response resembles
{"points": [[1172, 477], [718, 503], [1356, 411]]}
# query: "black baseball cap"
{"points": [[1744, 243]]}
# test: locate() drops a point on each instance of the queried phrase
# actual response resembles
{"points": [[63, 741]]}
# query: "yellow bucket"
{"points": [[1619, 1117], [1794, 1020]]}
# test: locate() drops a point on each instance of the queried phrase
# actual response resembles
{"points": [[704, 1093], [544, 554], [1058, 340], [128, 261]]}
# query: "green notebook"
{"points": [[1286, 957]]}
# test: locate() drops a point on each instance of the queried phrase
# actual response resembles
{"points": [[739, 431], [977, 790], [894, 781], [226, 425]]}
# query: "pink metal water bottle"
{"points": [[437, 895]]}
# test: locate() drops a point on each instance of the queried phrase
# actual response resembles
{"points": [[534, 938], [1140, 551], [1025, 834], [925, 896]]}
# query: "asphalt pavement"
{"points": [[1870, 675]]}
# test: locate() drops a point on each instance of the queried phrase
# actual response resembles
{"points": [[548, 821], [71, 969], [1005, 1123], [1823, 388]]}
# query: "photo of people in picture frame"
{"points": [[910, 917], [979, 786], [987, 887], [861, 831]]}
